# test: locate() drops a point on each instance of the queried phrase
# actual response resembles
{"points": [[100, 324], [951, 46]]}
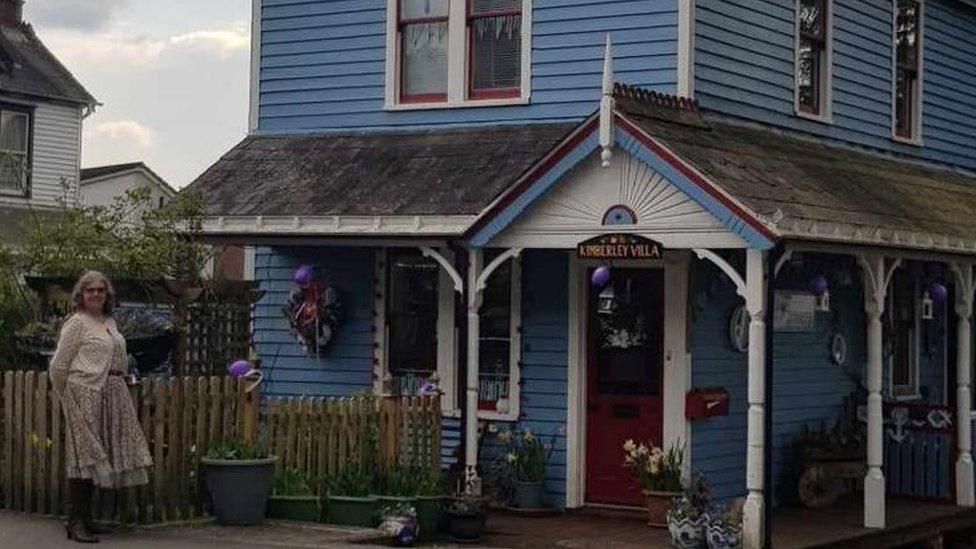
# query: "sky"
{"points": [[171, 75]]}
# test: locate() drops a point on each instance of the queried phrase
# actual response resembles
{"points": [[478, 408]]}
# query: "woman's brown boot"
{"points": [[79, 508]]}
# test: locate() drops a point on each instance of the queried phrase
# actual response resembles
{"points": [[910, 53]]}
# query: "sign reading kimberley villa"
{"points": [[619, 246]]}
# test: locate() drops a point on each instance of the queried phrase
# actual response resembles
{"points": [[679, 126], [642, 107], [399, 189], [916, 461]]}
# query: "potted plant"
{"points": [[526, 457], [399, 522], [292, 498], [349, 500], [238, 477], [466, 517], [724, 530], [428, 495], [688, 517], [658, 473]]}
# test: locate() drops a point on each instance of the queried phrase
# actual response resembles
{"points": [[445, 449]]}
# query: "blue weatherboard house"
{"points": [[707, 223]]}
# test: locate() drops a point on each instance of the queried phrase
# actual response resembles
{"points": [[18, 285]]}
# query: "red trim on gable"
{"points": [[692, 174], [535, 173]]}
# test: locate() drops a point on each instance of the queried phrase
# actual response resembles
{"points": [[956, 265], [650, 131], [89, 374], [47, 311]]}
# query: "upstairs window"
{"points": [[908, 70], [457, 53], [495, 39], [813, 57], [14, 151]]}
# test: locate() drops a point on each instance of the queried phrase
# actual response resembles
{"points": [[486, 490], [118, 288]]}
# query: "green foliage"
{"points": [[398, 509], [403, 481], [132, 238], [235, 450], [526, 455], [353, 481], [693, 503], [292, 482], [17, 306], [653, 468]]}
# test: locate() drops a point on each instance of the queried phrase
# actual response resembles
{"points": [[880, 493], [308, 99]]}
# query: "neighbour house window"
{"points": [[412, 309], [423, 38], [14, 150], [902, 331], [456, 52], [813, 57], [499, 345], [908, 69], [495, 39]]}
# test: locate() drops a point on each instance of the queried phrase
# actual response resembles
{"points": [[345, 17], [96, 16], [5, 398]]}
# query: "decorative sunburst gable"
{"points": [[577, 207]]}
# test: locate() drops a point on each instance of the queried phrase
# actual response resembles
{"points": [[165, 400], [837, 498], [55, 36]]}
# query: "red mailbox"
{"points": [[706, 403]]}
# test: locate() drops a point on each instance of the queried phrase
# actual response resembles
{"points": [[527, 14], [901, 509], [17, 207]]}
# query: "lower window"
{"points": [[412, 311], [499, 344], [902, 325]]}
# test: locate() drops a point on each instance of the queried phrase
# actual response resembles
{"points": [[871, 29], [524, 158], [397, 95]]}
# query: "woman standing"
{"points": [[105, 444]]}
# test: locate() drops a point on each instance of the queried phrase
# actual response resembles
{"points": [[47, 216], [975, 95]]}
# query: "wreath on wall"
{"points": [[313, 310]]}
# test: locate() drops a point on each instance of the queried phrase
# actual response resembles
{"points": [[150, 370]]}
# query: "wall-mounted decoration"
{"points": [[600, 276], [838, 349], [794, 311], [619, 215], [820, 290], [314, 310], [739, 329]]}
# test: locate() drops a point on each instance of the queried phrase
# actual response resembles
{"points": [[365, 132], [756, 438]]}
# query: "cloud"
{"points": [[224, 42], [83, 15], [122, 130]]}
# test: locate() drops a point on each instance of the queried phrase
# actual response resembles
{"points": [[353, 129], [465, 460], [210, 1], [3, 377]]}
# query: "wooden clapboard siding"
{"points": [[744, 68], [346, 366], [322, 62]]}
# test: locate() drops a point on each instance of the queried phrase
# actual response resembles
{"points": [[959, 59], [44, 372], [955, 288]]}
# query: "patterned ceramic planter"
{"points": [[686, 532], [723, 536], [658, 504]]}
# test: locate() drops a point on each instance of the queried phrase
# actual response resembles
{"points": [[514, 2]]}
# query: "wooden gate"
{"points": [[919, 450]]}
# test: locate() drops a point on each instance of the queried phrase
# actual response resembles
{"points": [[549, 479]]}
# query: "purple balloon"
{"points": [[938, 292], [818, 286], [239, 368], [600, 276], [303, 275]]}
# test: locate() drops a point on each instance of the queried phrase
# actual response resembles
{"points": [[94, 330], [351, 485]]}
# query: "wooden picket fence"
{"points": [[181, 417]]}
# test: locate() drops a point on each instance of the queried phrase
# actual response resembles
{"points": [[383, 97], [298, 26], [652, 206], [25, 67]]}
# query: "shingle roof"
{"points": [[99, 171], [28, 67], [452, 171]]}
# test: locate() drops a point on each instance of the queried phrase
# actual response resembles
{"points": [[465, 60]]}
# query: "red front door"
{"points": [[625, 343]]}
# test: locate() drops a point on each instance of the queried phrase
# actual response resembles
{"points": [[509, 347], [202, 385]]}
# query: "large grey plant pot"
{"points": [[239, 488]]}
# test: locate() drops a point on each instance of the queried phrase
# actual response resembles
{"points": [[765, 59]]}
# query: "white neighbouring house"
{"points": [[42, 107], [101, 185]]}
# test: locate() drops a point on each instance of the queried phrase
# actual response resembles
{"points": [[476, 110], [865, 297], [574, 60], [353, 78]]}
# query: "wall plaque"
{"points": [[619, 246], [794, 311]]}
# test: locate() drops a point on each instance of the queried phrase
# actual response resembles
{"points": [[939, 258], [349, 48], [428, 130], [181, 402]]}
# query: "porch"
{"points": [[840, 526]]}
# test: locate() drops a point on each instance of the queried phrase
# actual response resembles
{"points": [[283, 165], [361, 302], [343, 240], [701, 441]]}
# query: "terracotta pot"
{"points": [[658, 504]]}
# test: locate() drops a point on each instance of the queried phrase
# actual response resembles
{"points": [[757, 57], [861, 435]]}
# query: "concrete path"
{"points": [[23, 531]]}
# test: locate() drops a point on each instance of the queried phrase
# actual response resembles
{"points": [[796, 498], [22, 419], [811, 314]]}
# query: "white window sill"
{"points": [[820, 118], [915, 141], [908, 398], [457, 105], [482, 414]]}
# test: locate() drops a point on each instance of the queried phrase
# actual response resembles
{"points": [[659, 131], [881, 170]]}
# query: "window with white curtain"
{"points": [[495, 36], [423, 32]]}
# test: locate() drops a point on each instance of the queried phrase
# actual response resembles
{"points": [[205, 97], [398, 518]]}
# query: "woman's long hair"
{"points": [[78, 294]]}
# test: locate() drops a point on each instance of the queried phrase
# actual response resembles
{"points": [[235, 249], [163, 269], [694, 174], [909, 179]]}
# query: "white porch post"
{"points": [[752, 517], [876, 278], [964, 311], [472, 483]]}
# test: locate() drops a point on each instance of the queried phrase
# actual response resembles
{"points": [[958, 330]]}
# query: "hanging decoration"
{"points": [[820, 288], [314, 310], [938, 291], [243, 369], [739, 329], [600, 276]]}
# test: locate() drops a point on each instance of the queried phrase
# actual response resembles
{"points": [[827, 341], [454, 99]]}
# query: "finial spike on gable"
{"points": [[606, 106]]}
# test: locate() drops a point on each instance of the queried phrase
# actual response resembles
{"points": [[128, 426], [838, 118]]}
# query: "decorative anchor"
{"points": [[606, 107]]}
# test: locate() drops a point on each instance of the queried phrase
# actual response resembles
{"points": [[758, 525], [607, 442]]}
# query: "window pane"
{"points": [[813, 18], [904, 103], [413, 9], [481, 6], [907, 33], [13, 131], [424, 61], [412, 319], [496, 330], [496, 52], [808, 76], [12, 172], [902, 319]]}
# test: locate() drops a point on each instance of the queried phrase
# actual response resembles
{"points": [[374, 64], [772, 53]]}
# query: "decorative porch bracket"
{"points": [[753, 290], [877, 276], [965, 288], [446, 265], [477, 281]]}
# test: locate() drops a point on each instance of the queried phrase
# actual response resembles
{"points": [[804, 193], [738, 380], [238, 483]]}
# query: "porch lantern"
{"points": [[819, 287], [935, 292], [607, 301], [928, 307]]}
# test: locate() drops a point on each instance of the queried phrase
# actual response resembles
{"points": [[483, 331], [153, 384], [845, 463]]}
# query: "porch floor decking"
{"points": [[837, 526]]}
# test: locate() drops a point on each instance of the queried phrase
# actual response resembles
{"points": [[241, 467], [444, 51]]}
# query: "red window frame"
{"points": [[401, 24], [488, 93], [818, 47], [907, 72]]}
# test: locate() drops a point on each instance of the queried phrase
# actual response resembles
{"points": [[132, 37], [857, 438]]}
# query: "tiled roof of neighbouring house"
{"points": [[27, 67], [453, 171]]}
